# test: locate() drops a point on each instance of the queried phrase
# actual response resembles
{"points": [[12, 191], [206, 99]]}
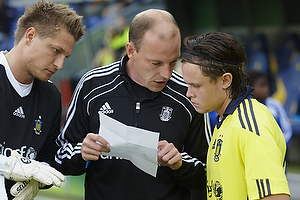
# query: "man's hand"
{"points": [[92, 147], [168, 155], [25, 190], [22, 169]]}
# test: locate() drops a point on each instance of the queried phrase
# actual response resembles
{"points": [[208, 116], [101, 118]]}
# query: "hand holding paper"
{"points": [[131, 143], [92, 147], [168, 155]]}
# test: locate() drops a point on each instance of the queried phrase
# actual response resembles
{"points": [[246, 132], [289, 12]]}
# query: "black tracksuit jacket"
{"points": [[109, 90]]}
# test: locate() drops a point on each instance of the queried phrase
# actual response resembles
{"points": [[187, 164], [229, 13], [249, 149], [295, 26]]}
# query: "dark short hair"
{"points": [[217, 53]]}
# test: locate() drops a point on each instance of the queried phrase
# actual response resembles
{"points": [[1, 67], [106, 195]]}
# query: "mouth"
{"points": [[195, 104], [51, 72], [160, 82]]}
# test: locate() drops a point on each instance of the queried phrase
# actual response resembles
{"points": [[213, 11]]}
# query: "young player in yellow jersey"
{"points": [[246, 156]]}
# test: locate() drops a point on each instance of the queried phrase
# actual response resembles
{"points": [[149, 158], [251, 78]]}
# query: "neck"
{"points": [[17, 67]]}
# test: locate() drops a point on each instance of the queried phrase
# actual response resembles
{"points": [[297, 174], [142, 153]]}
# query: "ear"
{"points": [[227, 80], [30, 34], [130, 49]]}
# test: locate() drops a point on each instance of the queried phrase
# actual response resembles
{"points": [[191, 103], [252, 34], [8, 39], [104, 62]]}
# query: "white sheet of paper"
{"points": [[131, 143]]}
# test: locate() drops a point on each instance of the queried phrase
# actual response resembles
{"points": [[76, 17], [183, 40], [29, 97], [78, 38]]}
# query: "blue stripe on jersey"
{"points": [[268, 186], [248, 117], [262, 187], [240, 118], [253, 117], [258, 189]]}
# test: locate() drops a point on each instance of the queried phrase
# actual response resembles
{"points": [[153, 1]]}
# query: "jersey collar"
{"points": [[246, 94]]}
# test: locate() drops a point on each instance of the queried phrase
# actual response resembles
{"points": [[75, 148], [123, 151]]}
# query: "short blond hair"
{"points": [[47, 18]]}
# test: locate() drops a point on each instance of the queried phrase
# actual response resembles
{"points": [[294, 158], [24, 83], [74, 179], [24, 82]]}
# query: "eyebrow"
{"points": [[61, 49]]}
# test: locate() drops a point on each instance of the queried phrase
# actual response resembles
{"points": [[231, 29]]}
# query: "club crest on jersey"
{"points": [[218, 150], [215, 189], [38, 126], [165, 114]]}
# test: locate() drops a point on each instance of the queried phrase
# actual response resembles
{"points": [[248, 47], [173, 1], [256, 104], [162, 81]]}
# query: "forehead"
{"points": [[63, 40], [192, 73], [160, 52]]}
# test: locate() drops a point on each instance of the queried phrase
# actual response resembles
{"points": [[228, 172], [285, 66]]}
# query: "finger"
{"points": [[43, 178], [55, 176], [92, 146], [96, 142], [105, 145], [55, 173], [164, 149], [90, 151], [162, 143], [168, 155], [174, 158]]}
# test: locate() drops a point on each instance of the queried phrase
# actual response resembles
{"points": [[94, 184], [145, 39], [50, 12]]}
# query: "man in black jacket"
{"points": [[144, 91]]}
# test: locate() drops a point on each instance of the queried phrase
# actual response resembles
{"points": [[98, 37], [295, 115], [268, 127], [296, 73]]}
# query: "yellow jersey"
{"points": [[246, 156]]}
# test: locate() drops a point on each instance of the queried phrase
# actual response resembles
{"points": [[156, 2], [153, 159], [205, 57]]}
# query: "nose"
{"points": [[59, 62], [189, 92], [166, 71]]}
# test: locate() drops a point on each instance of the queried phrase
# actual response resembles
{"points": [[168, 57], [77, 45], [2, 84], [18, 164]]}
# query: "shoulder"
{"points": [[252, 116], [101, 79], [48, 96], [104, 73], [46, 86], [273, 102]]}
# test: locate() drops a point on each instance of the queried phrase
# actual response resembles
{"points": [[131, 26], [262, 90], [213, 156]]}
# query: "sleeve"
{"points": [[192, 173], [48, 151], [267, 156], [68, 156]]}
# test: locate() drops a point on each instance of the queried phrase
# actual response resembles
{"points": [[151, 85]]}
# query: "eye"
{"points": [[56, 51], [156, 63]]}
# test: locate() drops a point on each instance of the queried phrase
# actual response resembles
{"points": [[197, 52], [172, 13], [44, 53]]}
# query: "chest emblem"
{"points": [[165, 114], [217, 148], [215, 189], [38, 126]]}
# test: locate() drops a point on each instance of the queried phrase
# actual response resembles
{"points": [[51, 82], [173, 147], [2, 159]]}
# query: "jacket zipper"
{"points": [[137, 111]]}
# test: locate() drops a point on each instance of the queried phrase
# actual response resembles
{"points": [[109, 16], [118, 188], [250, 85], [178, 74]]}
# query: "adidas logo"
{"points": [[19, 112], [106, 109]]}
